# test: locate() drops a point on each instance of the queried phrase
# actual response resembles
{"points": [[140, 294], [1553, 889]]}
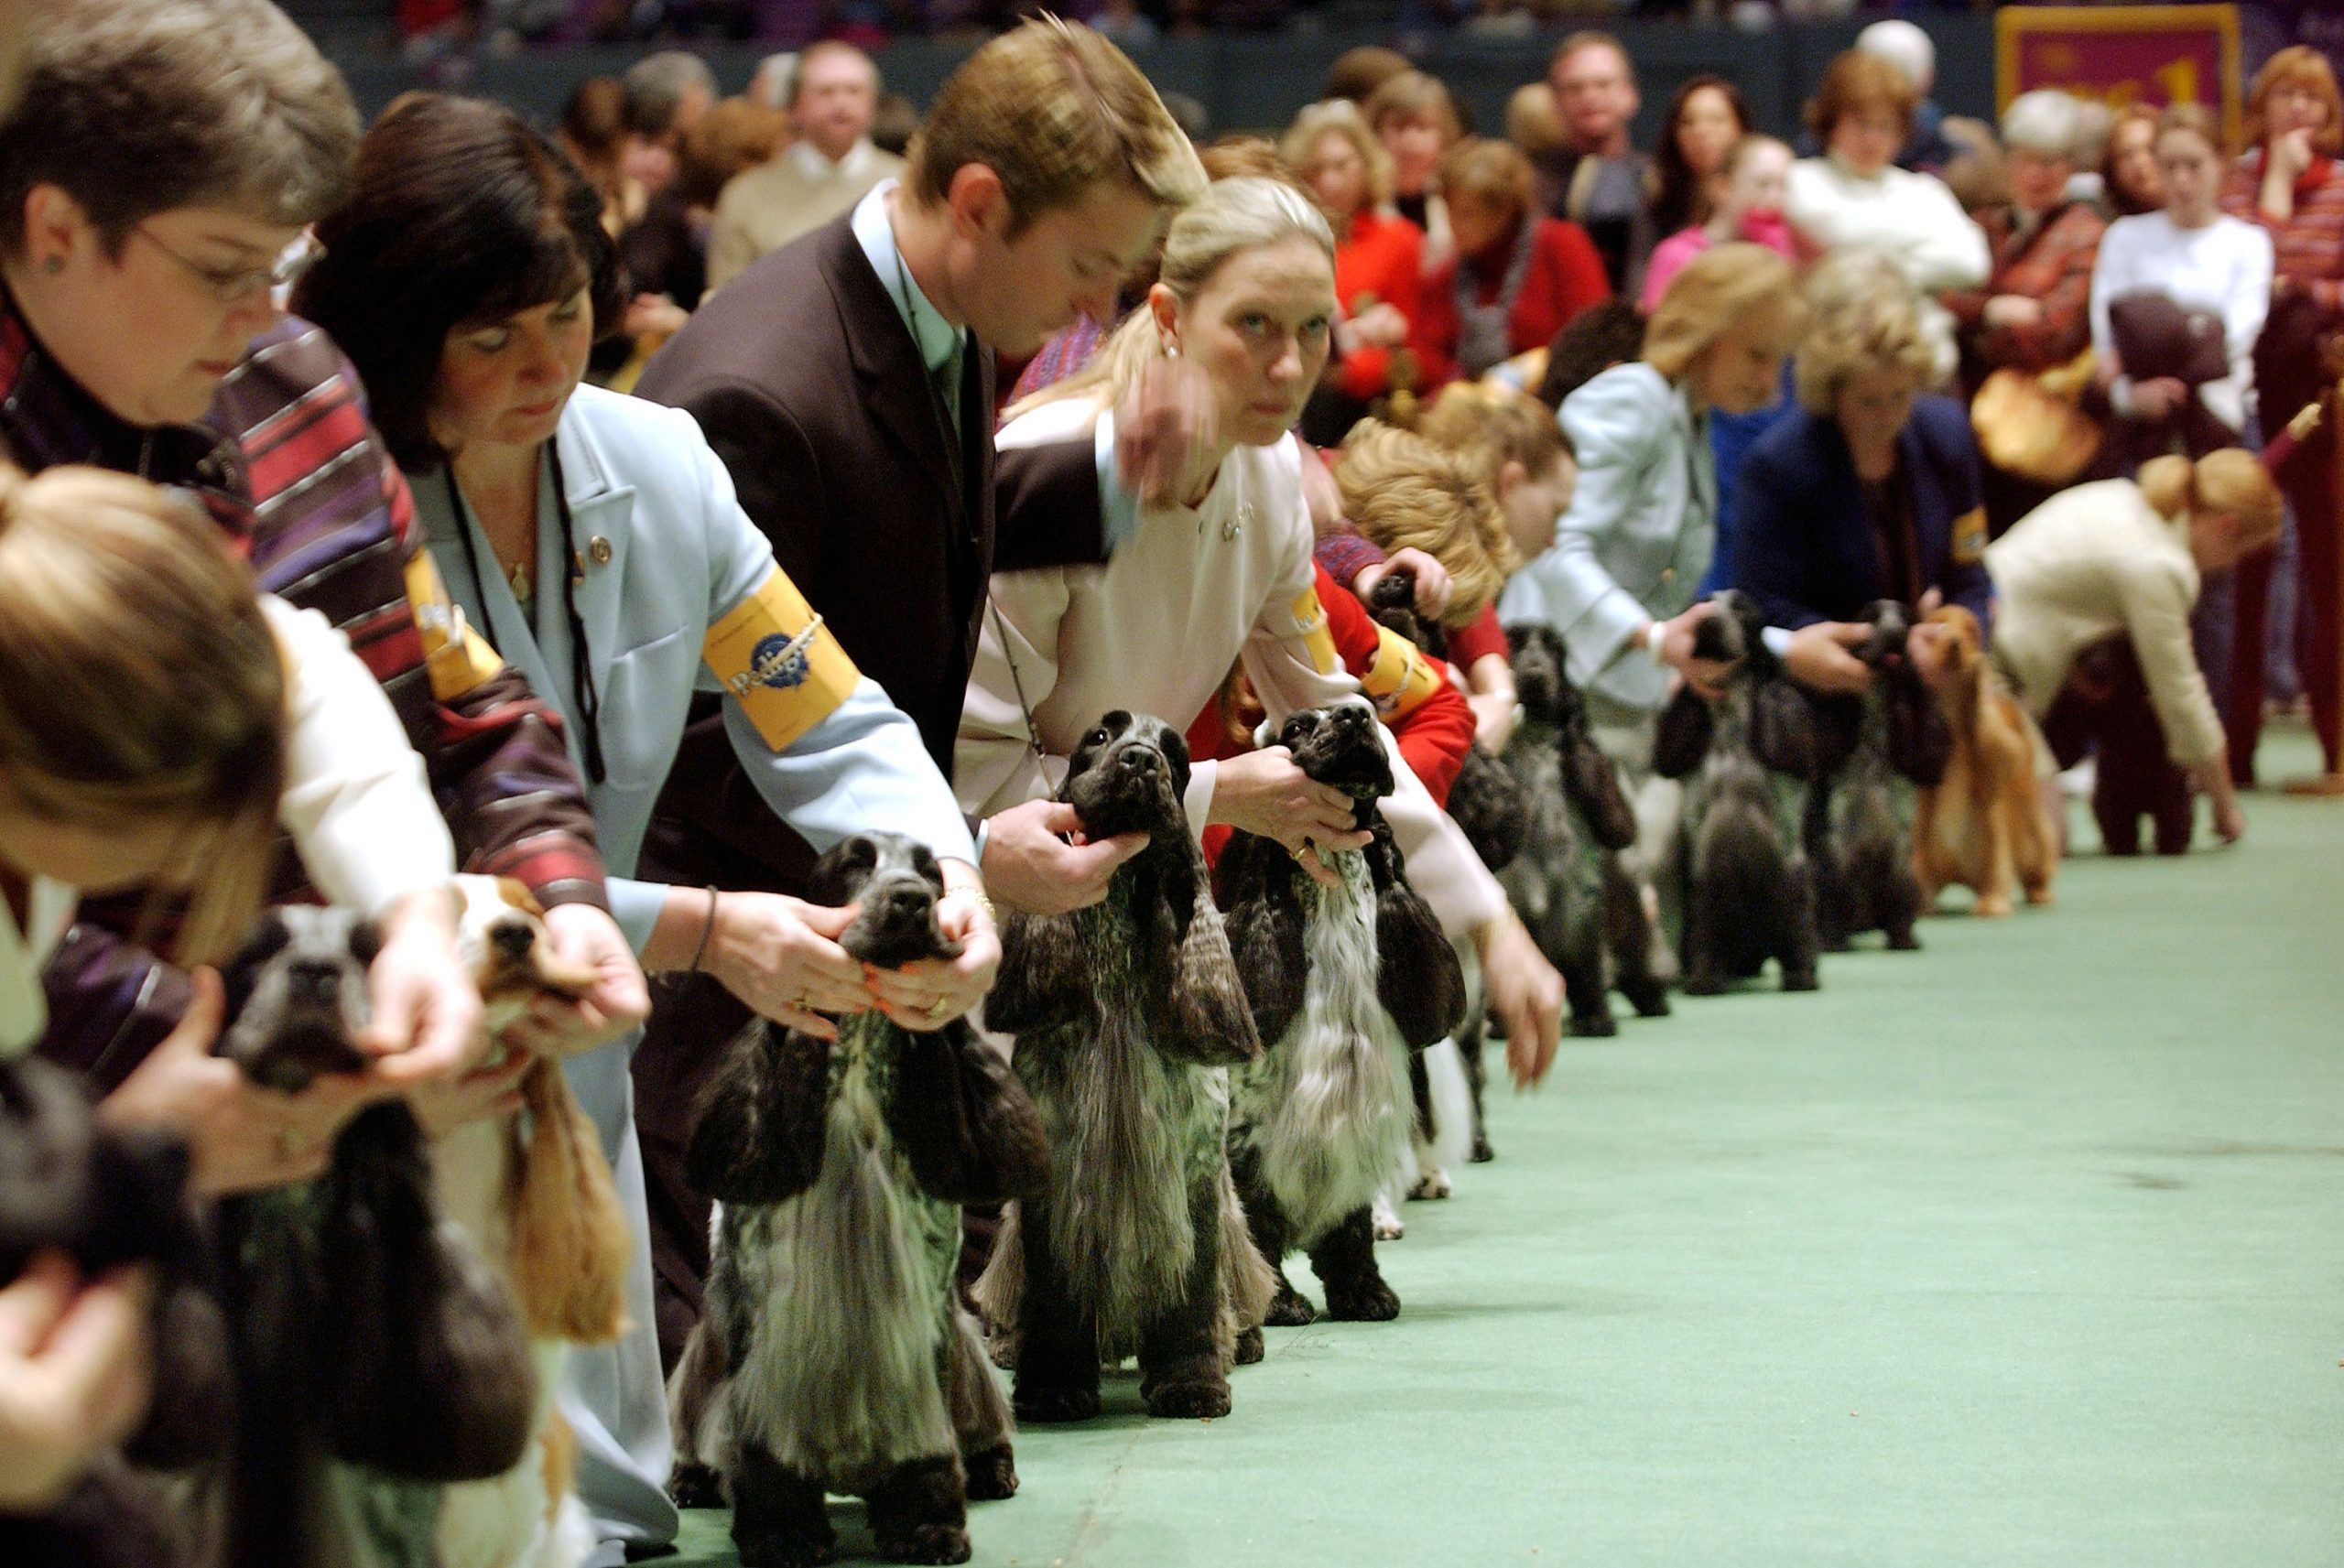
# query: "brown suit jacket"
{"points": [[809, 385]]}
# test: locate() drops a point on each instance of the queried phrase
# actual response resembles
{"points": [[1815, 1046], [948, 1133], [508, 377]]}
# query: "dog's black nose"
{"points": [[1139, 760], [906, 901], [512, 938], [312, 978]]}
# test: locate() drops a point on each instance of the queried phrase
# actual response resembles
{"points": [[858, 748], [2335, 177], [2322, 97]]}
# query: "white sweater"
{"points": [[1910, 218], [2224, 267], [1156, 630], [2090, 563]]}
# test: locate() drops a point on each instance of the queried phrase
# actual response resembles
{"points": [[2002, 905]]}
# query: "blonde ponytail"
{"points": [[2230, 482]]}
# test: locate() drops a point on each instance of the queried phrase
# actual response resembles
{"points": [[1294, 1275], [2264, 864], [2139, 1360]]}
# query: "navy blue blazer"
{"points": [[1803, 545]]}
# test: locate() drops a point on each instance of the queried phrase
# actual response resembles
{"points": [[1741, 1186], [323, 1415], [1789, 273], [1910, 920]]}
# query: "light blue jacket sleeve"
{"points": [[1620, 426], [861, 768]]}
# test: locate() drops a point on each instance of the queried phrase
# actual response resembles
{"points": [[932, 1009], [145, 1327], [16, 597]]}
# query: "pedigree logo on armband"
{"points": [[779, 662]]}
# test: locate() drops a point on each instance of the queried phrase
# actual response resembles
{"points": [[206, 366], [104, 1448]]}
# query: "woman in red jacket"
{"points": [[1518, 278], [1379, 268]]}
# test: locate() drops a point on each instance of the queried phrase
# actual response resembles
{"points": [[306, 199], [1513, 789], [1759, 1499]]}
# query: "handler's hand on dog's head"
{"points": [[426, 1019], [1706, 676], [240, 1137], [926, 996], [781, 956], [1036, 860], [1267, 793], [1820, 659], [76, 1368], [585, 938]]}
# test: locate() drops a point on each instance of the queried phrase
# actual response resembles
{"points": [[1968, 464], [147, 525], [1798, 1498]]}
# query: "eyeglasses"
{"points": [[232, 286]]}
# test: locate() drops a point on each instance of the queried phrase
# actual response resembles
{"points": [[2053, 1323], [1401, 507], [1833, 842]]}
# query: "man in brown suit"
{"points": [[847, 380]]}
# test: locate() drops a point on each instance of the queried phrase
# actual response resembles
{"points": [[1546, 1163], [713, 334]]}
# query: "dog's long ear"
{"points": [[1040, 983], [1920, 738], [1837, 725], [1781, 728], [454, 1395], [570, 1245], [1682, 737], [1417, 978], [1263, 919], [1489, 803], [1592, 783], [1206, 1019], [758, 1136], [967, 1128]]}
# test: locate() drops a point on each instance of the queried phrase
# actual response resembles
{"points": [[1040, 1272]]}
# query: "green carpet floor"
{"points": [[2027, 1249]]}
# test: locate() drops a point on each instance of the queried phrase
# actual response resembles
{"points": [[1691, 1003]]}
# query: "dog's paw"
{"points": [[1648, 1001], [1434, 1183], [1250, 1348], [1188, 1399], [1801, 980], [1904, 942], [1387, 1219], [925, 1544], [1289, 1309], [1705, 985], [990, 1475], [1594, 1025], [1993, 908], [1482, 1152], [1362, 1301], [696, 1485], [1053, 1407], [788, 1548]]}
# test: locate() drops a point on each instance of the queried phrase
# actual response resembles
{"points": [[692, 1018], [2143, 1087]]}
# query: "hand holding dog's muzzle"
{"points": [[425, 1009], [590, 943]]}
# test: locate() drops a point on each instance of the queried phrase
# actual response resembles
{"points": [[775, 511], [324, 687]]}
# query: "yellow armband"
{"points": [[779, 662], [1310, 621], [1970, 537], [458, 659], [1400, 677]]}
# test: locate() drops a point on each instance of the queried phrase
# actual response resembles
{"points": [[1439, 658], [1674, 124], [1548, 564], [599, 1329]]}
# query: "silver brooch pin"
{"points": [[1236, 526]]}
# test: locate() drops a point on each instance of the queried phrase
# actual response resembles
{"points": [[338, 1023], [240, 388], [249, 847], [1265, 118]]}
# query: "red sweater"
{"points": [[1431, 721], [1565, 277], [1381, 261], [2307, 247]]}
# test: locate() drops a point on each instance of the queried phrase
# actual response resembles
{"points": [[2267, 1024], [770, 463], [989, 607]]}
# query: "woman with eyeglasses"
{"points": [[139, 254]]}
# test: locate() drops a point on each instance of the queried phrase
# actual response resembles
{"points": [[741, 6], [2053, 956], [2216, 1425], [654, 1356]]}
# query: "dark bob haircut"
{"points": [[463, 216]]}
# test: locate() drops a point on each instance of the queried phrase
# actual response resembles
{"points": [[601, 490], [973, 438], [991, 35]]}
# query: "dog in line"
{"points": [[835, 1356], [105, 1198], [1128, 1017], [365, 1329], [533, 1191], [1743, 758], [1873, 749], [1589, 913], [1344, 982], [1984, 824]]}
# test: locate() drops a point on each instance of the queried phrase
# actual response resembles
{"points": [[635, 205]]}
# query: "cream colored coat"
{"points": [[2090, 563]]}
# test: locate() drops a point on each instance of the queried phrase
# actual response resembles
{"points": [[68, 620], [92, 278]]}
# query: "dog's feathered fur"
{"points": [[365, 1329], [1343, 980], [1485, 799], [1748, 894], [1127, 1016], [106, 1198], [1580, 902], [1871, 749], [1984, 824], [835, 1354]]}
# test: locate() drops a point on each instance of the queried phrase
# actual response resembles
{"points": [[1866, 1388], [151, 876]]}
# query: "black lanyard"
{"points": [[581, 668]]}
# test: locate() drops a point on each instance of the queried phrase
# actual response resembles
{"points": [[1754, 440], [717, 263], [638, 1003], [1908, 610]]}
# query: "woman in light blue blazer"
{"points": [[596, 539], [1619, 582]]}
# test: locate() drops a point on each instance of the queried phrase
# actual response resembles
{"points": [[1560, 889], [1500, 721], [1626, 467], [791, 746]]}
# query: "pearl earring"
{"points": [[1171, 351]]}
